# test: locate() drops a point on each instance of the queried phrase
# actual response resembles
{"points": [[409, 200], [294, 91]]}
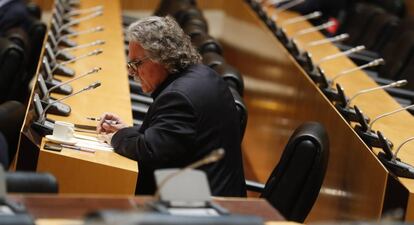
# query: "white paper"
{"points": [[193, 212], [92, 143]]}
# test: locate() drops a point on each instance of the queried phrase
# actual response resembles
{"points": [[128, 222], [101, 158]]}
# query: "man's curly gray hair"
{"points": [[165, 42]]}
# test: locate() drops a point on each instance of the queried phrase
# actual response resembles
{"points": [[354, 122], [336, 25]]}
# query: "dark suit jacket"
{"points": [[192, 114]]}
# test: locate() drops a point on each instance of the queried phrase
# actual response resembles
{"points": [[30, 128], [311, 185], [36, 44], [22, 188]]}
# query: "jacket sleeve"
{"points": [[169, 136]]}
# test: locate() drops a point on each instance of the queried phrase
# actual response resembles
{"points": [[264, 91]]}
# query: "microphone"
{"points": [[287, 6], [54, 44], [94, 43], [92, 71], [394, 157], [334, 39], [298, 19], [89, 87], [77, 33], [83, 11], [50, 81], [390, 160], [399, 83], [370, 138], [92, 53], [79, 20], [214, 156], [373, 63], [313, 29], [388, 114], [341, 54]]}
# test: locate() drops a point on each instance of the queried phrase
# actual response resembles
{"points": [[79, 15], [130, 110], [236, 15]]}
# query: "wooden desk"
{"points": [[102, 172], [76, 207], [396, 128]]}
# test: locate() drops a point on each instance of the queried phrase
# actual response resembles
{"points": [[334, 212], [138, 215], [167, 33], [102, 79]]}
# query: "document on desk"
{"points": [[92, 143], [193, 212]]}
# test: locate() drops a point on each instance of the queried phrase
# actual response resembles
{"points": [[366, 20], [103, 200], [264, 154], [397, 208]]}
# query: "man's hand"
{"points": [[106, 137], [110, 123]]}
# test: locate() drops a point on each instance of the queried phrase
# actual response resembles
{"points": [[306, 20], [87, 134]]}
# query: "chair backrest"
{"points": [[11, 120], [294, 184], [31, 182], [11, 63], [241, 110]]}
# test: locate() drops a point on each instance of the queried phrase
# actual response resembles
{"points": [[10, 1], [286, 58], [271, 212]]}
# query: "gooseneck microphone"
{"points": [[82, 11], [373, 63], [75, 34], [388, 114], [394, 156], [313, 29], [399, 83], [288, 6], [94, 43], [341, 54], [92, 53], [79, 20], [298, 19], [214, 156], [89, 87], [331, 40], [92, 71]]}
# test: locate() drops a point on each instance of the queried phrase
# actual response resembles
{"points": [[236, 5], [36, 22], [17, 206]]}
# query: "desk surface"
{"points": [[76, 207], [76, 171], [396, 128]]}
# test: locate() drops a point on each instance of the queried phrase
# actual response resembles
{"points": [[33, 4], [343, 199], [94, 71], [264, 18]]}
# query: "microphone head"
{"points": [[96, 69], [316, 14], [99, 28], [399, 83], [215, 155], [96, 52], [378, 62], [99, 42], [95, 85]]}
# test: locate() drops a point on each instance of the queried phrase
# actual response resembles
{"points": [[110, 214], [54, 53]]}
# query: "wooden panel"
{"points": [[279, 97]]}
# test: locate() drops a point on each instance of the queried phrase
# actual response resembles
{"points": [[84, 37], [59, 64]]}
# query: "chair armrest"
{"points": [[254, 186]]}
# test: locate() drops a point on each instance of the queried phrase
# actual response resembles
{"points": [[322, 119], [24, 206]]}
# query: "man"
{"points": [[192, 114]]}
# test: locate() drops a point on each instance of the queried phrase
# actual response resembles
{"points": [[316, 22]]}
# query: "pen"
{"points": [[78, 148], [111, 122]]}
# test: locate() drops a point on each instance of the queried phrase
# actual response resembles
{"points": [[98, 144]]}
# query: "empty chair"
{"points": [[358, 21], [241, 111], [205, 43], [31, 182], [232, 76], [11, 120], [212, 59], [171, 7], [379, 31], [294, 184], [11, 64]]}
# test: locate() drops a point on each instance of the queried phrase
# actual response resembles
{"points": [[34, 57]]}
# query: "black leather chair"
{"points": [[232, 76], [205, 43], [31, 182], [11, 120], [212, 59], [11, 64], [241, 110], [294, 184]]}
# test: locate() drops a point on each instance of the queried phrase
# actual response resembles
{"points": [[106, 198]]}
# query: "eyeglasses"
{"points": [[133, 65]]}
